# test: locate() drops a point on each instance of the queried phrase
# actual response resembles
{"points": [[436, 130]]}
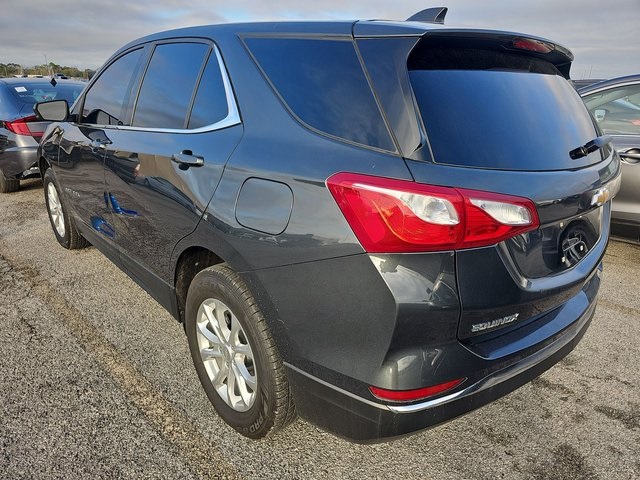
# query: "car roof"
{"points": [[612, 82], [357, 28]]}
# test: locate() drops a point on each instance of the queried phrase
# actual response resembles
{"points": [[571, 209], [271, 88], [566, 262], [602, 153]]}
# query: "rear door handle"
{"points": [[630, 158], [186, 159]]}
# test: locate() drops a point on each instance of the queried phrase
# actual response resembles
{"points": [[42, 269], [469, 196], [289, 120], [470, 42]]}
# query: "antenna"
{"points": [[430, 15]]}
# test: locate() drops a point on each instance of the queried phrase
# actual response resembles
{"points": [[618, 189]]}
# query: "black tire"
{"points": [[69, 238], [272, 407], [8, 185]]}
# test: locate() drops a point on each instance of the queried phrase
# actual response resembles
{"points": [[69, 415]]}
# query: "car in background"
{"points": [[615, 105], [578, 84], [377, 225], [20, 129]]}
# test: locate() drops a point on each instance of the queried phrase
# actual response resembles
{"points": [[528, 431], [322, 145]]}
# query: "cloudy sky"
{"points": [[604, 35]]}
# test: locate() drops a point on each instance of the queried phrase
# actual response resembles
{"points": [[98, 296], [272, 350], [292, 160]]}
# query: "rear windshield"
{"points": [[30, 93], [498, 110]]}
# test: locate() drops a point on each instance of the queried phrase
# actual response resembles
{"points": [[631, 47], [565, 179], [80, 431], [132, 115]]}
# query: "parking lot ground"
{"points": [[96, 382]]}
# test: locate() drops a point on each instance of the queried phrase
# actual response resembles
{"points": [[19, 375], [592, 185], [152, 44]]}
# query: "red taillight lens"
{"points": [[412, 395], [391, 216], [532, 45], [24, 126]]}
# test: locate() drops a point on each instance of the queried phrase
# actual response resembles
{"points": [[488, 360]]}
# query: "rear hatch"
{"points": [[495, 112]]}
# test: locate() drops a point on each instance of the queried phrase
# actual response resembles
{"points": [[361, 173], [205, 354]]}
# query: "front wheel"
{"points": [[235, 355], [62, 223]]}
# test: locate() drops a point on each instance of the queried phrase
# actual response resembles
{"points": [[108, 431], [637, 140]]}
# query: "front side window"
{"points": [[107, 100], [168, 85], [616, 110], [323, 84]]}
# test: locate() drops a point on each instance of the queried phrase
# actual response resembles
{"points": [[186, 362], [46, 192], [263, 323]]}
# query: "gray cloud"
{"points": [[603, 36]]}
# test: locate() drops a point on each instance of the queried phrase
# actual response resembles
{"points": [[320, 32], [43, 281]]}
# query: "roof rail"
{"points": [[430, 15]]}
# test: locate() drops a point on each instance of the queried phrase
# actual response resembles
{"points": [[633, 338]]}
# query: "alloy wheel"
{"points": [[55, 209], [226, 354]]}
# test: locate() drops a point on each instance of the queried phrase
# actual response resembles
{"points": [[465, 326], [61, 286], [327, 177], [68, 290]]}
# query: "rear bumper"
{"points": [[365, 421], [14, 161]]}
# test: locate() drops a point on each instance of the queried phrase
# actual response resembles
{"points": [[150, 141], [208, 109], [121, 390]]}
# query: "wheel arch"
{"points": [[190, 262], [43, 165]]}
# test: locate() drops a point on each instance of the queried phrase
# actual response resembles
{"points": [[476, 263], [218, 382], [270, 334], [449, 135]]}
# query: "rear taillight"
{"points": [[25, 126], [401, 216]]}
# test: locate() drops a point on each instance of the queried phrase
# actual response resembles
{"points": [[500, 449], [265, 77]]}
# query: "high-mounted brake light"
{"points": [[532, 45], [390, 215], [417, 394], [24, 126]]}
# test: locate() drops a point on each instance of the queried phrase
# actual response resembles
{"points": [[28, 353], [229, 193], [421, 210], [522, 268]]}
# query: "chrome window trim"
{"points": [[611, 87], [232, 118]]}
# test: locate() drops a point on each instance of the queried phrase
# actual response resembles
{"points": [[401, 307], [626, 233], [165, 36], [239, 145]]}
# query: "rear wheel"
{"points": [[62, 223], [235, 355], [8, 185]]}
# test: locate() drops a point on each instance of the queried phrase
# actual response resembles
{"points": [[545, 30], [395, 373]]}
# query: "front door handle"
{"points": [[102, 143], [187, 159]]}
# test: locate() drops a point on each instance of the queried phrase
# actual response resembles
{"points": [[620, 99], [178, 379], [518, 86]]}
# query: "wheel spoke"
{"points": [[210, 354], [208, 334], [235, 330], [244, 374], [231, 387], [243, 349], [222, 374], [214, 321], [221, 323]]}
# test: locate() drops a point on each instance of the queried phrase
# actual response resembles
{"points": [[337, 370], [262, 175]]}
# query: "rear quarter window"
{"points": [[322, 83]]}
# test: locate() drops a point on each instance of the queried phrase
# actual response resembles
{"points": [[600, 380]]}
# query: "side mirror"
{"points": [[600, 114], [54, 111]]}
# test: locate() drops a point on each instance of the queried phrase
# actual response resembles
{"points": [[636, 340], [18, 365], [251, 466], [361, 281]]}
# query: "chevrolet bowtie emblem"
{"points": [[600, 197]]}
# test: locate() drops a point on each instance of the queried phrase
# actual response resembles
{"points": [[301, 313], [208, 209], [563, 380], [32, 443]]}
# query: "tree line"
{"points": [[13, 69]]}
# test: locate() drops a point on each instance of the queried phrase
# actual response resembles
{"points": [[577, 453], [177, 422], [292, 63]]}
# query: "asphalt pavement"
{"points": [[96, 382]]}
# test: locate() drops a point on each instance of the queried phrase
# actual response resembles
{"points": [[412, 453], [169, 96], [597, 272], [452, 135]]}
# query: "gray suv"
{"points": [[376, 225]]}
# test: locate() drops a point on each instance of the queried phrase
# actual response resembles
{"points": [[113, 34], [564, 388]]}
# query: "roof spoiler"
{"points": [[430, 15]]}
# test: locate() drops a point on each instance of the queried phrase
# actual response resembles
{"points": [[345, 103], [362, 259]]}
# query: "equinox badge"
{"points": [[478, 327]]}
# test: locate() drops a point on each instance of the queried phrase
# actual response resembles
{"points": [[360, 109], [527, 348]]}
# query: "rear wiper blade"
{"points": [[590, 147]]}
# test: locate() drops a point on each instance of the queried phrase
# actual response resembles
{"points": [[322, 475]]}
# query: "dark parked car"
{"points": [[385, 224], [615, 104], [20, 130]]}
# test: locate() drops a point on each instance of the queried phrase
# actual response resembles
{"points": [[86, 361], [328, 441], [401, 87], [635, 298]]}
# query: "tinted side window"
{"points": [[323, 84], [108, 98], [210, 105], [168, 85]]}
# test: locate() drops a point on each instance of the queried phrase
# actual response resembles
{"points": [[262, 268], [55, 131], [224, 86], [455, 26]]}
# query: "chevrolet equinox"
{"points": [[377, 225]]}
